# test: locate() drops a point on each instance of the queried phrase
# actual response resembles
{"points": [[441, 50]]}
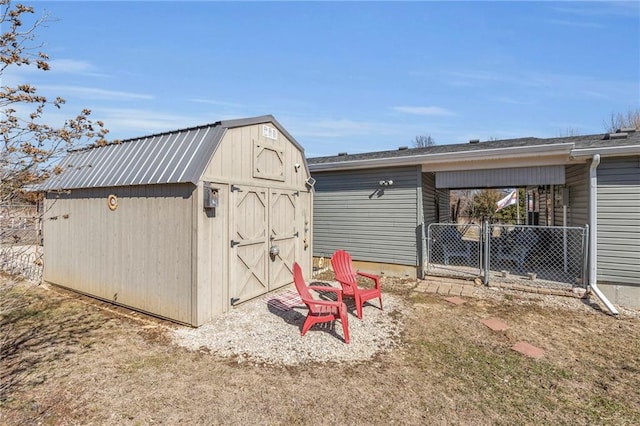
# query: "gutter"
{"points": [[606, 151], [593, 234], [446, 157]]}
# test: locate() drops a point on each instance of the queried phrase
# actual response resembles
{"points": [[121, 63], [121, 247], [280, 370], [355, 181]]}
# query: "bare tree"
{"points": [[460, 202], [422, 141], [29, 146], [569, 131], [622, 121]]}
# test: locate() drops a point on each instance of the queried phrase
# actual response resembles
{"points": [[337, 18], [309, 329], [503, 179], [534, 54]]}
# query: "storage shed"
{"points": [[183, 224]]}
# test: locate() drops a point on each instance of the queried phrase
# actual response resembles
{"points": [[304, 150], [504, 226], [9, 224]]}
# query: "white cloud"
{"points": [[511, 100], [622, 9], [70, 66], [338, 128], [577, 24], [95, 93], [58, 66], [132, 122], [215, 102], [424, 110], [545, 85]]}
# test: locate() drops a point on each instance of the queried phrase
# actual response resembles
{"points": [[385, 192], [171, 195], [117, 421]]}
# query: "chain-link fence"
{"points": [[21, 240], [541, 256], [530, 255]]}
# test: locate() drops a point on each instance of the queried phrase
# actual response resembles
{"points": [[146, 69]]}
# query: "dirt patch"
{"points": [[68, 359]]}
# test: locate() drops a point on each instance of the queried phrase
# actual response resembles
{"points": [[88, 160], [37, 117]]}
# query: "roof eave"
{"points": [[609, 151], [447, 157]]}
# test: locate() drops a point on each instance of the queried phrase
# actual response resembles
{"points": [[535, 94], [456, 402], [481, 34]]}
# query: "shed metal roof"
{"points": [[178, 156]]}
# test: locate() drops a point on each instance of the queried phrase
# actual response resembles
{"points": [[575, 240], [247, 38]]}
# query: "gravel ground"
{"points": [[259, 333]]}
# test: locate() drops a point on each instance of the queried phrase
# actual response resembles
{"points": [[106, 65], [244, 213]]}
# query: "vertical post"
{"points": [[517, 206], [487, 246], [428, 254], [565, 202], [585, 256], [564, 236], [421, 250]]}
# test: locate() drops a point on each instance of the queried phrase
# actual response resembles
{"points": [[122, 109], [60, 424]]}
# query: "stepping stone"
{"points": [[528, 350], [455, 300], [495, 324]]}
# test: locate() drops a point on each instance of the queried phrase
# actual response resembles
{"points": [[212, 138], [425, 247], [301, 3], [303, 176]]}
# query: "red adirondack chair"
{"points": [[348, 278], [320, 310]]}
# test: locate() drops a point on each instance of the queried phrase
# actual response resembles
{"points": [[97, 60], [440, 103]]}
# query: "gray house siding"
{"points": [[375, 223], [619, 220], [430, 202], [577, 181], [543, 215], [500, 178], [444, 207]]}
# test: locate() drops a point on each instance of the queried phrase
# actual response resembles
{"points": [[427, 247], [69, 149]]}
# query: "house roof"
{"points": [[573, 146], [178, 156]]}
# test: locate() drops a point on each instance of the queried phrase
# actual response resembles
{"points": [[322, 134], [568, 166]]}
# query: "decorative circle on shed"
{"points": [[112, 202]]}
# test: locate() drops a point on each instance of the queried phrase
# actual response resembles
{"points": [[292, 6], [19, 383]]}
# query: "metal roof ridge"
{"points": [[236, 122]]}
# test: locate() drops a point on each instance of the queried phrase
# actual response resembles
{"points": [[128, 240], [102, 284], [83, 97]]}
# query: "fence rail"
{"points": [[19, 224], [531, 255]]}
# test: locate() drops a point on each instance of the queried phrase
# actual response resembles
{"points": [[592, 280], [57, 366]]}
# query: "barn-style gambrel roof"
{"points": [[178, 156]]}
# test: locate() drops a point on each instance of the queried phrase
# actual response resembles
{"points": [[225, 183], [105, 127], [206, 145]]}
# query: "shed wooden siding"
{"points": [[212, 257], [619, 220], [233, 164], [234, 160], [138, 255], [351, 213]]}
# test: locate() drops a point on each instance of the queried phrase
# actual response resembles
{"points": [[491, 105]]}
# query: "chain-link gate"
{"points": [[454, 250], [552, 257]]}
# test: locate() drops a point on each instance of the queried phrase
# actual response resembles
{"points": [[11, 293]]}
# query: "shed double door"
{"points": [[261, 219]]}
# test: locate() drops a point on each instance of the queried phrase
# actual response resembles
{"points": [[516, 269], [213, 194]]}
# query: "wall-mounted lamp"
{"points": [[386, 182], [310, 182]]}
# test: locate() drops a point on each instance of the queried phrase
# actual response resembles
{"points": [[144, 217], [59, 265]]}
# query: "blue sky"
{"points": [[344, 76]]}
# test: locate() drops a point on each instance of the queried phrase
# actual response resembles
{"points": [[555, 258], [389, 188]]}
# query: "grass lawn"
{"points": [[67, 359]]}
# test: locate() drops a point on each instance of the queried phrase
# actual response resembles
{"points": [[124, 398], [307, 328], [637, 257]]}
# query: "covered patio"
{"points": [[379, 206]]}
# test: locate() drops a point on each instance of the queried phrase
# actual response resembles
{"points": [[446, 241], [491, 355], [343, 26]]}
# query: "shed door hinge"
{"points": [[234, 243], [235, 188]]}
